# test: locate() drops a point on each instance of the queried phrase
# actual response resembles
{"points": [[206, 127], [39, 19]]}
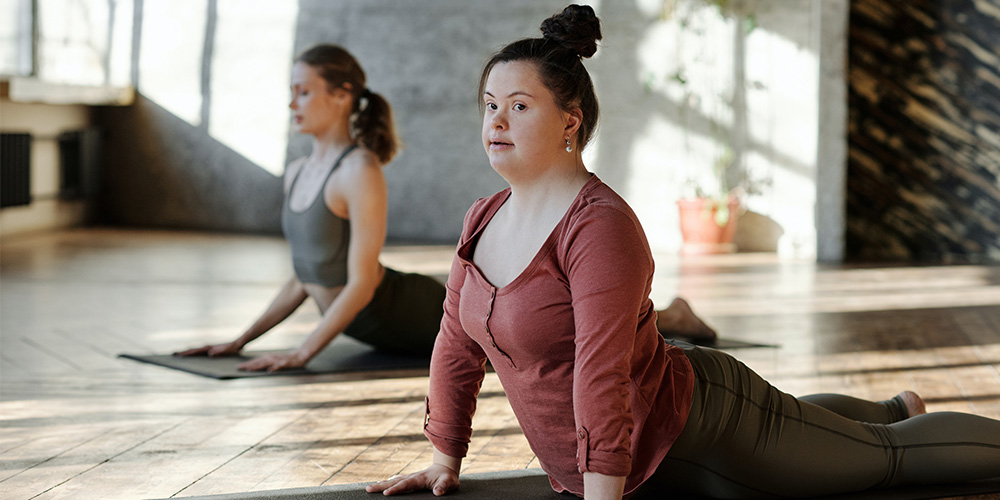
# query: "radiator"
{"points": [[80, 159], [15, 170]]}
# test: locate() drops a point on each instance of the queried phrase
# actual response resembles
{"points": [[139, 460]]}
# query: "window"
{"points": [[16, 34], [66, 51]]}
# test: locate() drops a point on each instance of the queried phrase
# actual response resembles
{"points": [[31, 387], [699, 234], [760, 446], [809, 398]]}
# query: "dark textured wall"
{"points": [[924, 131]]}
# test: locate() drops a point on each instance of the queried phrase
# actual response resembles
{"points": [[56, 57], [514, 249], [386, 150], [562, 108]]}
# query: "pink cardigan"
{"points": [[573, 340]]}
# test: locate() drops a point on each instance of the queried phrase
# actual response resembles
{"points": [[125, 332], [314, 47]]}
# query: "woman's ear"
{"points": [[574, 118]]}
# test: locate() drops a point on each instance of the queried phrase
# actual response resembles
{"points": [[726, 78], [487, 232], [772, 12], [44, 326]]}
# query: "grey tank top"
{"points": [[318, 238]]}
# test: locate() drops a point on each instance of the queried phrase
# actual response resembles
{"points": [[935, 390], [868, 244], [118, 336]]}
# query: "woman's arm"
{"points": [[609, 268], [366, 199], [290, 297], [600, 487]]}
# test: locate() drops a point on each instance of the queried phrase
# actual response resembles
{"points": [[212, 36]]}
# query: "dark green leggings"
{"points": [[404, 316], [746, 439]]}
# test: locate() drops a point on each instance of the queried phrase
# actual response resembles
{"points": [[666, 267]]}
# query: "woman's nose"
{"points": [[498, 122]]}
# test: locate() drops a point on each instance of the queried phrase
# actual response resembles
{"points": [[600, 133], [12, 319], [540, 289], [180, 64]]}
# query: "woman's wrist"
{"points": [[602, 487], [244, 339], [449, 462], [302, 355]]}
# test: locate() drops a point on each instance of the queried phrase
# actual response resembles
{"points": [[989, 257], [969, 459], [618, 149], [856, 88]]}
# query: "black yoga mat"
{"points": [[344, 354], [532, 484], [725, 343]]}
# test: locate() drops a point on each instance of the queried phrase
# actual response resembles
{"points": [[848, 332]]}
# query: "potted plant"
{"points": [[708, 219], [712, 204]]}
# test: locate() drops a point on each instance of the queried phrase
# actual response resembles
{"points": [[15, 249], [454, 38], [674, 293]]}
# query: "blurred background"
{"points": [[847, 130]]}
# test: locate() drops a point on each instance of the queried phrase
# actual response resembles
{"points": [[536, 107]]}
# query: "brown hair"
{"points": [[372, 126], [567, 38]]}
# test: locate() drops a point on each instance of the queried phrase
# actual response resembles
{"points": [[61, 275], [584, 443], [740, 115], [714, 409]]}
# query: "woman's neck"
{"points": [[556, 187], [330, 144]]}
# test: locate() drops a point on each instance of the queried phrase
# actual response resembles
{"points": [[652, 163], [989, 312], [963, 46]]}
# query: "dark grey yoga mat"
{"points": [[528, 484], [725, 343], [344, 354], [532, 484]]}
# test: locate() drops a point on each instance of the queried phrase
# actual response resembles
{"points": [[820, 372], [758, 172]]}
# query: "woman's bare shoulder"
{"points": [[361, 168], [361, 159]]}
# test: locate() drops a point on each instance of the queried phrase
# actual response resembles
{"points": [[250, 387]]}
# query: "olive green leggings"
{"points": [[746, 439]]}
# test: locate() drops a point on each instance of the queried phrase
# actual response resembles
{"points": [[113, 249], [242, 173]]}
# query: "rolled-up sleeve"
{"points": [[608, 265]]}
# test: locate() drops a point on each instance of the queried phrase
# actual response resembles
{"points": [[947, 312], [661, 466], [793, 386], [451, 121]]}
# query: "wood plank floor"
{"points": [[79, 423]]}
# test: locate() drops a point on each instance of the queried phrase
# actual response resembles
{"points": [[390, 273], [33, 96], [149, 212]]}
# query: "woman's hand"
{"points": [[227, 349], [274, 362], [437, 478]]}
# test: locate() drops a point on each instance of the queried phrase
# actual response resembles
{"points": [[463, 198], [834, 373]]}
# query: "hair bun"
{"points": [[576, 28]]}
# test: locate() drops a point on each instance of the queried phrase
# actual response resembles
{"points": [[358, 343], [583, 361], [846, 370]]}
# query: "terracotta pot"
{"points": [[701, 233]]}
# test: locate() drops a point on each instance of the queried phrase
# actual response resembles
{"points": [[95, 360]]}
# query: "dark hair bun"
{"points": [[576, 28]]}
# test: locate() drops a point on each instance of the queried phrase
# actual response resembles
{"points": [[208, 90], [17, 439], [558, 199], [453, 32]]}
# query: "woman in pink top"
{"points": [[551, 283]]}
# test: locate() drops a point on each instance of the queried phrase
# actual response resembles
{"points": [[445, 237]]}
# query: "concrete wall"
{"points": [[170, 164]]}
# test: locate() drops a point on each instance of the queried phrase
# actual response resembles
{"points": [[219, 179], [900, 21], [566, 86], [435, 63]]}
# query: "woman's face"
{"points": [[315, 108], [524, 130]]}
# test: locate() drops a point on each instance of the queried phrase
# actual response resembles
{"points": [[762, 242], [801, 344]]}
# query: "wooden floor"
{"points": [[79, 423]]}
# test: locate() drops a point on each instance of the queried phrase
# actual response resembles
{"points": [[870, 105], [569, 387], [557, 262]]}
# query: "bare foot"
{"points": [[914, 403], [678, 320]]}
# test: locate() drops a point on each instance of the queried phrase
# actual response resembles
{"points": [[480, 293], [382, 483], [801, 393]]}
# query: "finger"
{"points": [[383, 485], [277, 364], [377, 487], [404, 485], [443, 485], [253, 365]]}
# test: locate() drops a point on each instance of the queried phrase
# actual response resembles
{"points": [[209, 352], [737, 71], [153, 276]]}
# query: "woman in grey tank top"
{"points": [[334, 218]]}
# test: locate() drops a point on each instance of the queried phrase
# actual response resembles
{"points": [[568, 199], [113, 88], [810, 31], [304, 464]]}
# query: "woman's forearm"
{"points": [[342, 311], [289, 298], [601, 487]]}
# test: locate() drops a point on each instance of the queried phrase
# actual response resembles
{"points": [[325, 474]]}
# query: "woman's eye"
{"points": [[520, 107], [491, 106]]}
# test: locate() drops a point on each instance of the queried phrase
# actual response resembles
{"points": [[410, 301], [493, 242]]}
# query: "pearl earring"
{"points": [[569, 147]]}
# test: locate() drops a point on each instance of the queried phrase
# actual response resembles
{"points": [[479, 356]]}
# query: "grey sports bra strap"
{"points": [[336, 164], [340, 158]]}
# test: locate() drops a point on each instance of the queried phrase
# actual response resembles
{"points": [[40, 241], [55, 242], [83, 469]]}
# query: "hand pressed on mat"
{"points": [[275, 362], [213, 351], [437, 478], [441, 477]]}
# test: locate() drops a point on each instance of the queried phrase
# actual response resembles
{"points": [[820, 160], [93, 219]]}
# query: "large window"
{"points": [[74, 42]]}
